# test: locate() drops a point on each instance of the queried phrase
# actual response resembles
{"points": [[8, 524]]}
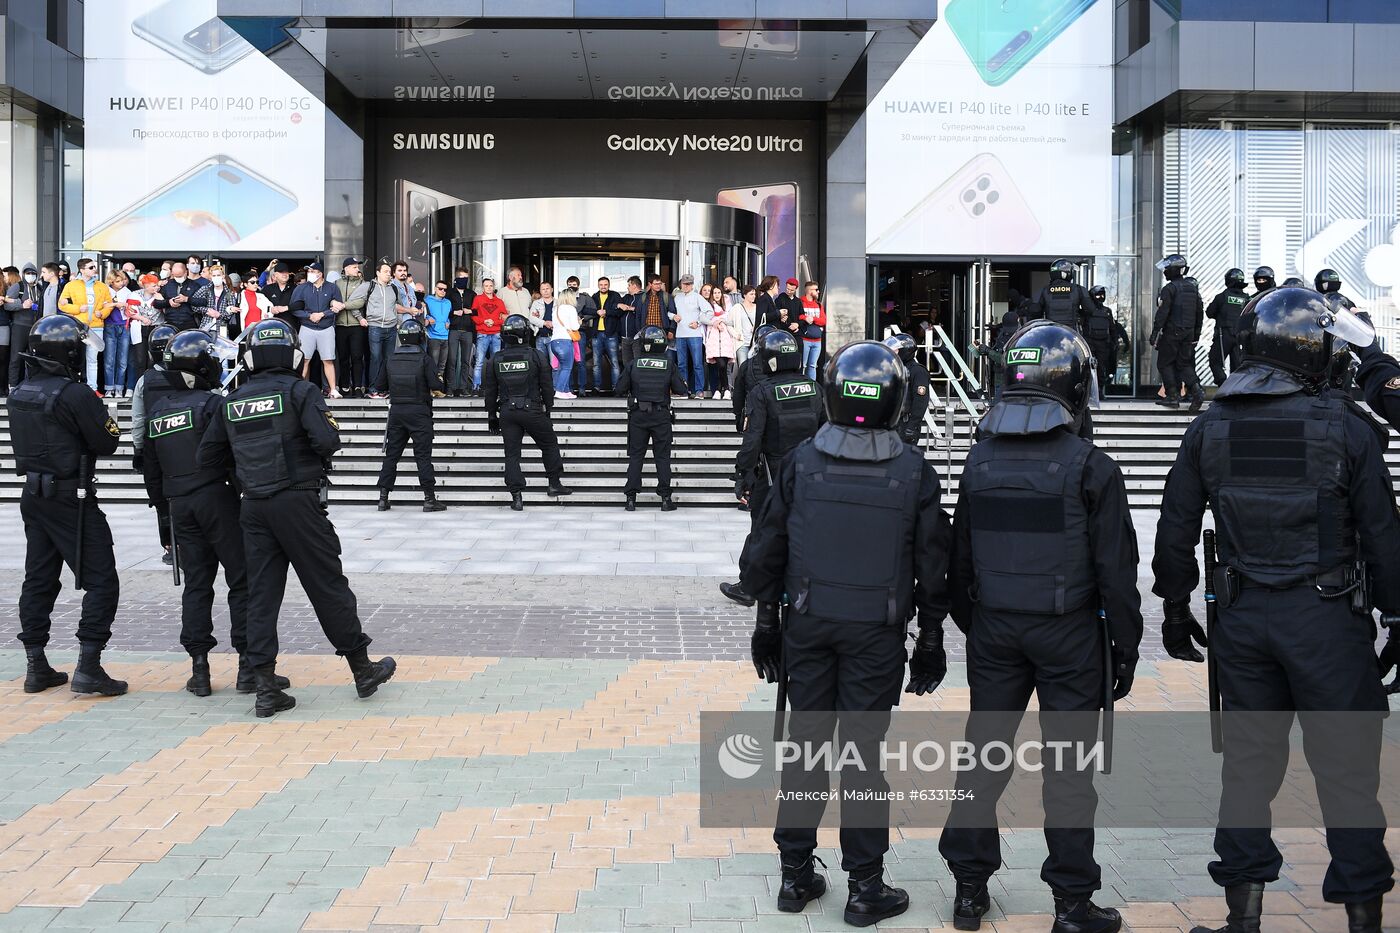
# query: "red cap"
{"points": [[793, 282]]}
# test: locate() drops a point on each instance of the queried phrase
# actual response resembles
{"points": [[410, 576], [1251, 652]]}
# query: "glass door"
{"points": [[591, 267]]}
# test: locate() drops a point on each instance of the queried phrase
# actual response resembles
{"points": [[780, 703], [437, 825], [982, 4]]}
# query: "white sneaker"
{"points": [[336, 394], [565, 395], [726, 395]]}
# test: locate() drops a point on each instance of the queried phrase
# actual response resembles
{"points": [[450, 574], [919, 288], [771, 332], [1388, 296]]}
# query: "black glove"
{"points": [[493, 424], [929, 663], [1124, 668], [138, 461], [1179, 629], [1153, 339], [1390, 655], [766, 645]]}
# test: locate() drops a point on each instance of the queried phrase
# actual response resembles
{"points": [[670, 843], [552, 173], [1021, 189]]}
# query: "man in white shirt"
{"points": [[688, 320]]}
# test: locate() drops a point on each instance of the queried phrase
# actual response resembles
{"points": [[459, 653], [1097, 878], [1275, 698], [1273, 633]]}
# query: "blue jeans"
{"points": [[118, 351], [487, 345], [542, 341], [690, 359], [381, 346], [90, 365], [811, 352], [603, 345], [563, 351]]}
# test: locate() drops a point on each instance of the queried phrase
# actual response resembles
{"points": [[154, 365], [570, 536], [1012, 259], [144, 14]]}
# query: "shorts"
{"points": [[318, 341]]}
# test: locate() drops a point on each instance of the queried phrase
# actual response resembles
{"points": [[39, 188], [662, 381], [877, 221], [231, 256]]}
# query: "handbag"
{"points": [[578, 352]]}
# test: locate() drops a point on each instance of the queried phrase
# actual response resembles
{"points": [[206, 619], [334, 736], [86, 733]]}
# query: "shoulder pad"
{"points": [[1023, 416]]}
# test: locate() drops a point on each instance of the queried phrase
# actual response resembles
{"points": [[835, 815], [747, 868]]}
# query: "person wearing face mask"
{"points": [[164, 273], [65, 274], [195, 266], [24, 302], [461, 335], [221, 316], [311, 303], [180, 300]]}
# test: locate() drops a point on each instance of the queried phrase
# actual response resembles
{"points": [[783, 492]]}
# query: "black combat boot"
{"points": [[970, 902], [1168, 402], [198, 684], [89, 677], [271, 700], [1080, 915], [801, 884], [631, 505], [369, 674], [1364, 917], [668, 504], [431, 504], [1198, 398], [735, 591], [557, 488], [871, 900], [38, 675], [247, 681], [383, 500], [1246, 904], [517, 502]]}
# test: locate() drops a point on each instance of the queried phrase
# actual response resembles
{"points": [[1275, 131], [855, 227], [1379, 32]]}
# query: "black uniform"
{"points": [[911, 426], [1225, 310], [55, 422], [519, 398], [1042, 539], [1379, 379], [1012, 321], [785, 411], [1177, 327], [1066, 303], [1099, 331], [204, 509], [647, 383], [1300, 493], [746, 380], [844, 642], [412, 380], [154, 385], [277, 433]]}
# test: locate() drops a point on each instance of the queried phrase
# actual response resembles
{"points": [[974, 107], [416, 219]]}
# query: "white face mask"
{"points": [[31, 278], [217, 280], [194, 268], [180, 279], [313, 277]]}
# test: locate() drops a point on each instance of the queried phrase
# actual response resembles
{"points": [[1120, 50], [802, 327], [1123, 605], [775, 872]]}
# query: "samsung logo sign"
{"points": [[435, 92], [445, 141]]}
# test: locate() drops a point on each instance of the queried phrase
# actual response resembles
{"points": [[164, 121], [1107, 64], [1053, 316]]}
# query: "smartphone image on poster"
{"points": [[192, 33], [777, 204], [978, 209], [1001, 36], [211, 206], [413, 221]]}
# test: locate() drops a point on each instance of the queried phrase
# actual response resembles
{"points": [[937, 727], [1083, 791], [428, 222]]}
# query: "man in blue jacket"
{"points": [[315, 303]]}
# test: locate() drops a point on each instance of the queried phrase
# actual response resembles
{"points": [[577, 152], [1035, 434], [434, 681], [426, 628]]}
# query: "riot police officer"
{"points": [[1064, 300], [1263, 280], [1225, 309], [152, 385], [519, 399], [1015, 317], [746, 377], [1175, 329], [1027, 590], [413, 379], [853, 534], [786, 411], [911, 423], [204, 507], [1100, 333], [1329, 283], [58, 428], [1304, 515], [647, 383], [277, 433]]}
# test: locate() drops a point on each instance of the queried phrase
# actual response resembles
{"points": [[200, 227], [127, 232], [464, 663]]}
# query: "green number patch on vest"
{"points": [[1234, 300], [649, 363], [249, 409], [860, 390], [1029, 355], [794, 390], [170, 424], [512, 366]]}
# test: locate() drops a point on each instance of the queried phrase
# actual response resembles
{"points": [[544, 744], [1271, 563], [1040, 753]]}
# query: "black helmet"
{"points": [[515, 331], [271, 345], [191, 354], [1235, 279], [160, 339], [1045, 358], [1062, 269], [411, 332], [904, 345], [1098, 293], [61, 339], [1327, 281], [865, 384], [653, 341], [1294, 329], [1173, 266], [1264, 278], [760, 332], [1292, 282], [778, 353]]}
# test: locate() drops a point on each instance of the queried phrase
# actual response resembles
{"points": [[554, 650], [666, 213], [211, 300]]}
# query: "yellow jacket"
{"points": [[75, 296]]}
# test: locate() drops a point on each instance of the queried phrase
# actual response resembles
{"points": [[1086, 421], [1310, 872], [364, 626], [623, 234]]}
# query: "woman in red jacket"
{"points": [[813, 329]]}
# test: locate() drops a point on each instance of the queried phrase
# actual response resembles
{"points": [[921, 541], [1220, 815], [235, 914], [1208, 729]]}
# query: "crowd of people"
{"points": [[346, 325]]}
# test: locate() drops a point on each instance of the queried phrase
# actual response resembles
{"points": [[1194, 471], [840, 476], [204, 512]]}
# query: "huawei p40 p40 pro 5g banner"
{"points": [[195, 139], [993, 138]]}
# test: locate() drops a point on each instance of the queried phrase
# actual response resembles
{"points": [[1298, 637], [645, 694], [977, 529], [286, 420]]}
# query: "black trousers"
{"points": [[515, 424], [19, 344], [155, 497], [51, 540], [415, 423], [1176, 358], [1225, 346], [351, 357], [837, 668], [289, 529], [1104, 360], [458, 375], [653, 428], [207, 534], [1009, 656], [1291, 649]]}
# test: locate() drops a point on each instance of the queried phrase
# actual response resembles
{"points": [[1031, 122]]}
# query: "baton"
{"points": [[781, 709], [1107, 693], [84, 467], [174, 553], [1212, 675]]}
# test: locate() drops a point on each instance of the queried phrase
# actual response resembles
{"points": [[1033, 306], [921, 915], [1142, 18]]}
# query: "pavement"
{"points": [[533, 766]]}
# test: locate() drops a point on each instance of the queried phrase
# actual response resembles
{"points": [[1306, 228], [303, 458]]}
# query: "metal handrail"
{"points": [[962, 363]]}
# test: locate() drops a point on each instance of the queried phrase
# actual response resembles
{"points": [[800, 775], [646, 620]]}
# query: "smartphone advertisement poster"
{"points": [[994, 138], [195, 140]]}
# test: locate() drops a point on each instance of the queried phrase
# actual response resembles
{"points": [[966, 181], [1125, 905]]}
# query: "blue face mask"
{"points": [[462, 283]]}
